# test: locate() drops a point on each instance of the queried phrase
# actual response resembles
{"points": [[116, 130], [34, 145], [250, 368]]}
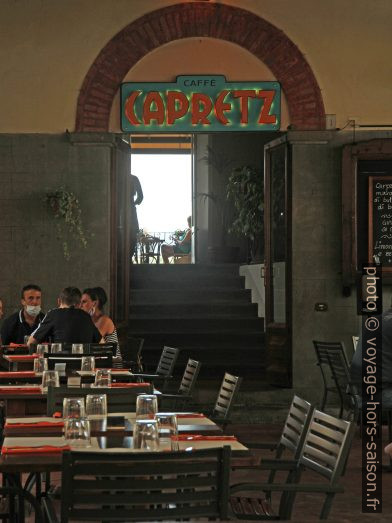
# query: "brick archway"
{"points": [[268, 43]]}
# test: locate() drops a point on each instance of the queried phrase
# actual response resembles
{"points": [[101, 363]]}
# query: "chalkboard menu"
{"points": [[380, 221]]}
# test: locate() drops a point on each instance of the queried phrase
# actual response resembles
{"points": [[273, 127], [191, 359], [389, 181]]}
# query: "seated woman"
{"points": [[182, 246], [93, 302]]}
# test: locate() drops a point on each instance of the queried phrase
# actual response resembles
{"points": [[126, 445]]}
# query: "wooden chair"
{"points": [[131, 354], [118, 399], [143, 486], [167, 361], [96, 348], [166, 364], [225, 400], [325, 450], [15, 500], [347, 391], [291, 439], [186, 388], [323, 349], [182, 257], [150, 249]]}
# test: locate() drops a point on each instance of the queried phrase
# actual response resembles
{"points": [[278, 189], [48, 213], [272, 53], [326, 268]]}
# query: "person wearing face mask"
{"points": [[22, 323], [68, 323]]}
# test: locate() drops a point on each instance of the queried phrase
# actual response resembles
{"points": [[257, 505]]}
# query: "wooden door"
{"points": [[120, 231], [277, 277]]}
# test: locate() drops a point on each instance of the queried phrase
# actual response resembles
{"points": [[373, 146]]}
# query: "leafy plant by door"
{"points": [[64, 206], [246, 189]]}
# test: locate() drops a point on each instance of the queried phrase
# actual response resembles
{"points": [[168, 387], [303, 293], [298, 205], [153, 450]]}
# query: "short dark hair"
{"points": [[101, 296], [70, 296], [30, 287], [91, 292]]}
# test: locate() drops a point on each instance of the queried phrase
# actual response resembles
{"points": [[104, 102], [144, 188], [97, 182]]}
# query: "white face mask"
{"points": [[33, 310], [92, 311]]}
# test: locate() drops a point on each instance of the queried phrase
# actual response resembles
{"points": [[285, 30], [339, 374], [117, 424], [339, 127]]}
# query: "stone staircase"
{"points": [[203, 310]]}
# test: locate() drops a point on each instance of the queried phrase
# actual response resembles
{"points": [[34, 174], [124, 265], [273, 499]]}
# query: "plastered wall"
{"points": [[30, 247], [47, 47]]}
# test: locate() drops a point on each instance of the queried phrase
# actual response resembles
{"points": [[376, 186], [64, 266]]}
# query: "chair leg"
{"points": [[327, 505], [324, 400]]}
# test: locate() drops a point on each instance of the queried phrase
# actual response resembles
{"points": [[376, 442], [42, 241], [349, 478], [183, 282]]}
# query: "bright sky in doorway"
{"points": [[167, 187]]}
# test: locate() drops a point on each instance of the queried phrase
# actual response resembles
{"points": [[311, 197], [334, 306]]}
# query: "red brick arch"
{"points": [[199, 19]]}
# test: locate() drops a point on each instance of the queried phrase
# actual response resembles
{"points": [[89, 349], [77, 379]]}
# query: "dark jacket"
{"points": [[68, 325], [15, 327]]}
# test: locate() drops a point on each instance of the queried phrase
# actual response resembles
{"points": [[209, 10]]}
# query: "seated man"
{"points": [[182, 246], [68, 323], [386, 360], [22, 323]]}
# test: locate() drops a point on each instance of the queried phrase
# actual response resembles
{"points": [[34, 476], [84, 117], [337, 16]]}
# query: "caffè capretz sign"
{"points": [[201, 103]]}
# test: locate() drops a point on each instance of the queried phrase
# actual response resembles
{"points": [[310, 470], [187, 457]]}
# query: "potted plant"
{"points": [[245, 189], [64, 206]]}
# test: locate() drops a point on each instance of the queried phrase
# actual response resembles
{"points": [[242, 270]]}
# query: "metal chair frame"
{"points": [[325, 451], [225, 400], [143, 486], [187, 385], [323, 349]]}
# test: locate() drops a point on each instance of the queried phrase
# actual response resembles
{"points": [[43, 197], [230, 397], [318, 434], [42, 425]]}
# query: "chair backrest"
{"points": [[325, 451], [227, 393], [167, 361], [118, 399], [327, 444], [296, 426], [150, 249], [355, 342], [323, 348], [145, 486], [97, 348], [341, 375], [103, 359], [189, 378], [132, 352]]}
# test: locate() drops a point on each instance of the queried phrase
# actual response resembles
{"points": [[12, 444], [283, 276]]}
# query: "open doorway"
{"points": [[164, 169]]}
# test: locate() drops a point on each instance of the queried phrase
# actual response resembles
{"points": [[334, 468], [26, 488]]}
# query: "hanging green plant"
{"points": [[65, 208], [246, 189]]}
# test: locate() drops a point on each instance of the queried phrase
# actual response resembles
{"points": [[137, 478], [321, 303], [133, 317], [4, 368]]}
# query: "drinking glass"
{"points": [[50, 378], [60, 367], [96, 406], [145, 434], [77, 348], [41, 349], [77, 432], [40, 364], [103, 378], [56, 347], [73, 408], [88, 363], [167, 430], [146, 406]]}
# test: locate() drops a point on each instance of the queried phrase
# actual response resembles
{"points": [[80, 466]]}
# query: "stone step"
{"points": [[207, 295], [180, 270], [207, 325], [201, 310], [190, 282]]}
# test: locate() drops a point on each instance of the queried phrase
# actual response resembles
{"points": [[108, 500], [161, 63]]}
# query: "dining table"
{"points": [[28, 399], [35, 444]]}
